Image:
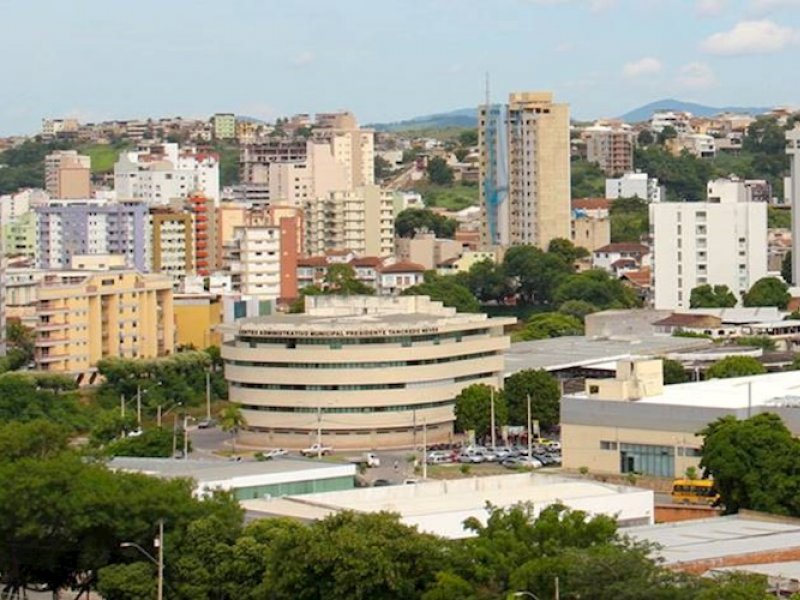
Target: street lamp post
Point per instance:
(158, 562)
(527, 594)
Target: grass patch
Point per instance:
(103, 156)
(450, 197)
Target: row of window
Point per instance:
(405, 340)
(359, 365)
(643, 448)
(357, 387)
(348, 409)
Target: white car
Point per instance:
(275, 452)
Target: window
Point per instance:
(605, 445)
(647, 459)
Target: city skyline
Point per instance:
(603, 57)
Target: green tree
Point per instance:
(735, 366)
(673, 371)
(412, 220)
(132, 581)
(544, 391)
(630, 219)
(588, 180)
(356, 556)
(778, 218)
(487, 281)
(473, 409)
(597, 287)
(645, 138)
(39, 439)
(298, 305)
(535, 274)
(549, 325)
(27, 397)
(786, 268)
(231, 420)
(577, 308)
(383, 167)
(707, 296)
(566, 250)
(668, 133)
(445, 289)
(152, 442)
(768, 291)
(340, 280)
(468, 137)
(439, 172)
(754, 464)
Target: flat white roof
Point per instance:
(704, 539)
(441, 506)
(580, 351)
(771, 389)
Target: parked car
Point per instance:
(207, 424)
(471, 457)
(275, 452)
(381, 483)
(316, 450)
(368, 459)
(522, 462)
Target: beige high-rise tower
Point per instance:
(530, 202)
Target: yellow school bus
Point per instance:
(694, 491)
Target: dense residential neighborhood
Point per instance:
(505, 351)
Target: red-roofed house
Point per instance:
(596, 208)
(400, 276)
(621, 257)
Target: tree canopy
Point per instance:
(673, 371)
(768, 291)
(445, 289)
(708, 296)
(754, 463)
(413, 220)
(439, 172)
(597, 287)
(545, 394)
(735, 366)
(473, 409)
(549, 325)
(630, 219)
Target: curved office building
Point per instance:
(360, 371)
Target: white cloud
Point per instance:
(710, 8)
(696, 76)
(565, 47)
(750, 37)
(644, 66)
(304, 58)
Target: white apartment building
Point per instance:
(738, 190)
(679, 121)
(634, 185)
(160, 173)
(361, 221)
(720, 242)
(254, 257)
(698, 144)
(352, 146)
(793, 150)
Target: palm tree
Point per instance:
(231, 420)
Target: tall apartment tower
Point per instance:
(67, 174)
(719, 242)
(530, 202)
(793, 150)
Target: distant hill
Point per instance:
(643, 113)
(463, 117)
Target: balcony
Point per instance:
(47, 342)
(51, 358)
(52, 326)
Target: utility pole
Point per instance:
(208, 395)
(749, 399)
(491, 391)
(139, 405)
(424, 449)
(319, 432)
(160, 559)
(158, 416)
(557, 594)
(174, 434)
(185, 436)
(414, 428)
(530, 437)
(122, 405)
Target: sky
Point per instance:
(386, 60)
